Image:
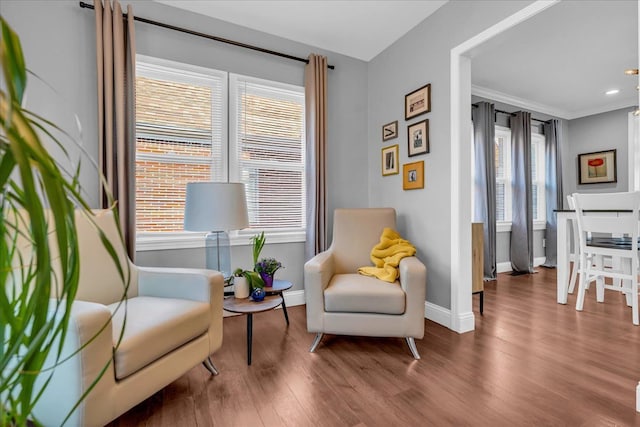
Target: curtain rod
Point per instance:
(513, 114)
(210, 37)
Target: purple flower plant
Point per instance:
(268, 266)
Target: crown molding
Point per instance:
(547, 109)
(519, 102)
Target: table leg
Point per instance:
(284, 309)
(249, 336)
(562, 269)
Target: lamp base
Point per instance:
(218, 252)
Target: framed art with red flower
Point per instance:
(597, 168)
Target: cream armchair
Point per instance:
(340, 301)
(173, 323)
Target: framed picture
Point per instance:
(598, 167)
(390, 160)
(417, 102)
(413, 175)
(390, 131)
(418, 138)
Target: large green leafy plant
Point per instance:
(39, 256)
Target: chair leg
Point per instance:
(574, 276)
(412, 346)
(634, 301)
(316, 341)
(582, 284)
(599, 280)
(210, 366)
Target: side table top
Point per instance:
(247, 305)
(278, 286)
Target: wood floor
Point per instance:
(529, 362)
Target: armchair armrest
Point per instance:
(90, 326)
(183, 283)
(413, 280)
(317, 274)
(187, 283)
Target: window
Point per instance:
(503, 173)
(538, 177)
(503, 178)
(267, 151)
(182, 115)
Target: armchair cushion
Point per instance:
(354, 293)
(154, 327)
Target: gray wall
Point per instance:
(423, 56)
(59, 43)
(599, 132)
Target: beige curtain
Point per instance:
(315, 82)
(116, 58)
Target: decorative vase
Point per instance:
(267, 279)
(240, 287)
(258, 294)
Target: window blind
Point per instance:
(268, 151)
(180, 126)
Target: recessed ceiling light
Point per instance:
(631, 71)
(612, 92)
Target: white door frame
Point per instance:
(462, 318)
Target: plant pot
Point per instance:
(240, 287)
(267, 279)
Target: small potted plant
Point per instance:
(267, 268)
(245, 283)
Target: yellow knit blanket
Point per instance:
(386, 256)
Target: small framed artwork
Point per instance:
(418, 138)
(390, 160)
(417, 102)
(598, 167)
(390, 131)
(413, 175)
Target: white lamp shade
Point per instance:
(215, 206)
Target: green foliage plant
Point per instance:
(39, 253)
(258, 243)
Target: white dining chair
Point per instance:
(574, 254)
(604, 228)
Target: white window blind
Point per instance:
(538, 177)
(267, 151)
(180, 129)
(503, 173)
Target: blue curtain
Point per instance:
(484, 193)
(522, 203)
(553, 188)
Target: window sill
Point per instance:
(186, 240)
(505, 227)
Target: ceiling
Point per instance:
(563, 60)
(560, 62)
(360, 29)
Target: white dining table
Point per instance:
(563, 268)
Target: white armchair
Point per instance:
(173, 323)
(341, 301)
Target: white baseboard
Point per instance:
(638, 398)
(293, 298)
(505, 267)
(435, 313)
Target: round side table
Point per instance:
(279, 286)
(248, 306)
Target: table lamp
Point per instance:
(216, 207)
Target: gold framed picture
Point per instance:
(417, 102)
(413, 175)
(390, 131)
(390, 160)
